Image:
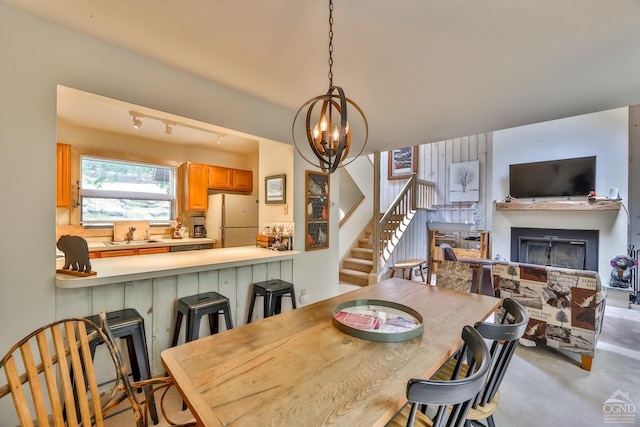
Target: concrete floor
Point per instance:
(545, 387)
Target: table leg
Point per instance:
(422, 271)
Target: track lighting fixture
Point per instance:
(170, 124)
(137, 122)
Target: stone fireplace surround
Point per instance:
(567, 247)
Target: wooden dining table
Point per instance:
(298, 369)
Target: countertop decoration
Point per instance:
(76, 256)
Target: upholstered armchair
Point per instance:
(480, 268)
(565, 306)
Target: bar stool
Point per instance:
(196, 306)
(272, 291)
(128, 324)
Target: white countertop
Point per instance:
(125, 269)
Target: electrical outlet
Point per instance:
(304, 298)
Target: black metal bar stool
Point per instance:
(196, 306)
(128, 324)
(272, 291)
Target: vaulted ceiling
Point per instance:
(422, 70)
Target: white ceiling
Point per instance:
(422, 70)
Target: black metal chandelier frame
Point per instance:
(330, 145)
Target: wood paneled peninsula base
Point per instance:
(152, 284)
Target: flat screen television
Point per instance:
(553, 178)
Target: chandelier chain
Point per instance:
(330, 136)
(330, 43)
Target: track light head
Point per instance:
(168, 129)
(137, 122)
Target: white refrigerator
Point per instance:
(232, 219)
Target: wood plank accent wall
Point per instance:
(433, 165)
(156, 299)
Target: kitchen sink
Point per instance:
(131, 243)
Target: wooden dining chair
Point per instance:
(513, 319)
(448, 400)
(50, 377)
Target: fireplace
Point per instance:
(577, 249)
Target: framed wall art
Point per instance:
(317, 217)
(403, 162)
(275, 189)
(464, 181)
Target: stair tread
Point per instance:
(359, 260)
(363, 251)
(354, 272)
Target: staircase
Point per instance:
(358, 264)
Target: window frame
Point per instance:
(76, 216)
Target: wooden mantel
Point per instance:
(559, 205)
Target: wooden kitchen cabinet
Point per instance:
(242, 180)
(195, 180)
(118, 252)
(220, 178)
(159, 250)
(63, 175)
(128, 252)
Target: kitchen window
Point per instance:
(117, 190)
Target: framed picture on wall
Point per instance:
(464, 181)
(275, 189)
(403, 162)
(317, 217)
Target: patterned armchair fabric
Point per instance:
(566, 307)
(454, 275)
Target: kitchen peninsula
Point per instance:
(153, 283)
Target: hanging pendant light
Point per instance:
(327, 127)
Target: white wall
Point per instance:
(276, 159)
(40, 56)
(604, 135)
(317, 271)
(361, 171)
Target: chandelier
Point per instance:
(327, 127)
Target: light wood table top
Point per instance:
(297, 368)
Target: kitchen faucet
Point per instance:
(129, 236)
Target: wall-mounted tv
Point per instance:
(554, 178)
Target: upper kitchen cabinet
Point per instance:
(220, 178)
(242, 180)
(195, 180)
(63, 175)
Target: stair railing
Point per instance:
(416, 194)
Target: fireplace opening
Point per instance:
(576, 249)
